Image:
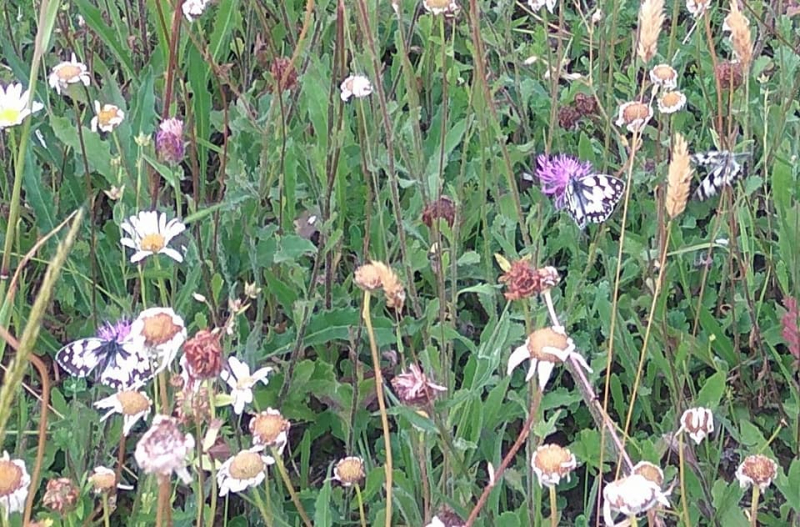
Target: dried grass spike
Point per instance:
(739, 26)
(651, 18)
(679, 177)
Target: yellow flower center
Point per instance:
(9, 115)
(132, 402)
(153, 242)
(437, 4)
(103, 480)
(10, 477)
(671, 99)
(246, 465)
(350, 470)
(159, 329)
(664, 73)
(105, 115)
(244, 383)
(546, 338)
(68, 72)
(650, 472)
(553, 459)
(760, 469)
(636, 111)
(267, 427)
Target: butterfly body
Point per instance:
(723, 168)
(592, 198)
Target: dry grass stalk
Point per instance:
(651, 18)
(739, 26)
(679, 177)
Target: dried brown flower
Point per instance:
(192, 405)
(61, 495)
(446, 518)
(349, 471)
(586, 104)
(284, 75)
(414, 387)
(757, 470)
(443, 208)
(730, 75)
(376, 275)
(203, 354)
(649, 471)
(739, 27)
(679, 177)
(568, 117)
(651, 18)
(522, 280)
(270, 429)
(163, 449)
(551, 463)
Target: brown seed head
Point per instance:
(548, 277)
(103, 480)
(757, 470)
(443, 208)
(159, 329)
(349, 471)
(414, 388)
(522, 280)
(729, 74)
(551, 463)
(204, 354)
(10, 477)
(284, 75)
(568, 117)
(376, 275)
(651, 18)
(269, 428)
(192, 405)
(586, 104)
(132, 402)
(246, 465)
(544, 338)
(679, 177)
(61, 495)
(649, 471)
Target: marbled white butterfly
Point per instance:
(722, 168)
(113, 360)
(592, 198)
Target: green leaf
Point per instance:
(98, 153)
(95, 20)
(712, 390)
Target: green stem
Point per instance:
(365, 313)
(360, 506)
(754, 506)
(553, 507)
(106, 520)
(290, 488)
(261, 507)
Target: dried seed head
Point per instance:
(586, 104)
(246, 465)
(349, 471)
(650, 472)
(651, 18)
(376, 275)
(284, 76)
(204, 354)
(551, 463)
(730, 75)
(61, 495)
(679, 177)
(757, 470)
(414, 387)
(103, 479)
(270, 429)
(541, 340)
(568, 117)
(522, 280)
(698, 423)
(443, 208)
(739, 26)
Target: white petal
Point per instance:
(139, 256)
(261, 374)
(172, 253)
(519, 355)
(545, 369)
(239, 369)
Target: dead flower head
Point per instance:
(378, 275)
(649, 471)
(630, 496)
(349, 471)
(551, 463)
(698, 423)
(524, 281)
(634, 115)
(203, 354)
(270, 429)
(61, 495)
(545, 348)
(14, 483)
(414, 388)
(163, 449)
(757, 470)
(443, 208)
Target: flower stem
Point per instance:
(261, 507)
(365, 313)
(163, 500)
(553, 507)
(681, 469)
(290, 488)
(360, 506)
(106, 521)
(754, 506)
(632, 520)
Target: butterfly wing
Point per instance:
(592, 198)
(127, 367)
(79, 358)
(722, 168)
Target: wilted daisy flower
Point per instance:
(162, 450)
(631, 495)
(756, 470)
(665, 76)
(270, 429)
(170, 146)
(634, 115)
(67, 73)
(203, 356)
(554, 174)
(545, 348)
(349, 471)
(103, 480)
(14, 105)
(649, 471)
(106, 117)
(671, 102)
(246, 469)
(160, 333)
(193, 8)
(551, 463)
(697, 7)
(446, 518)
(241, 382)
(536, 5)
(14, 483)
(356, 86)
(131, 404)
(60, 495)
(441, 7)
(414, 388)
(149, 232)
(698, 423)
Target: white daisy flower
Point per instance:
(14, 483)
(349, 471)
(67, 73)
(194, 9)
(107, 117)
(131, 404)
(537, 5)
(665, 76)
(150, 233)
(104, 480)
(241, 382)
(634, 115)
(551, 463)
(545, 348)
(246, 469)
(698, 423)
(650, 471)
(270, 429)
(356, 86)
(630, 496)
(163, 449)
(671, 102)
(441, 7)
(756, 470)
(697, 7)
(14, 105)
(160, 332)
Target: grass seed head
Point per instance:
(651, 18)
(679, 177)
(739, 26)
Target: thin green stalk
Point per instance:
(553, 507)
(360, 506)
(365, 313)
(754, 506)
(261, 507)
(106, 520)
(681, 473)
(290, 488)
(633, 521)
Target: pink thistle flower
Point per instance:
(791, 329)
(555, 173)
(169, 141)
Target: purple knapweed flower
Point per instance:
(555, 172)
(114, 332)
(169, 141)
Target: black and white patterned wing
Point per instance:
(79, 358)
(127, 367)
(721, 167)
(592, 198)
